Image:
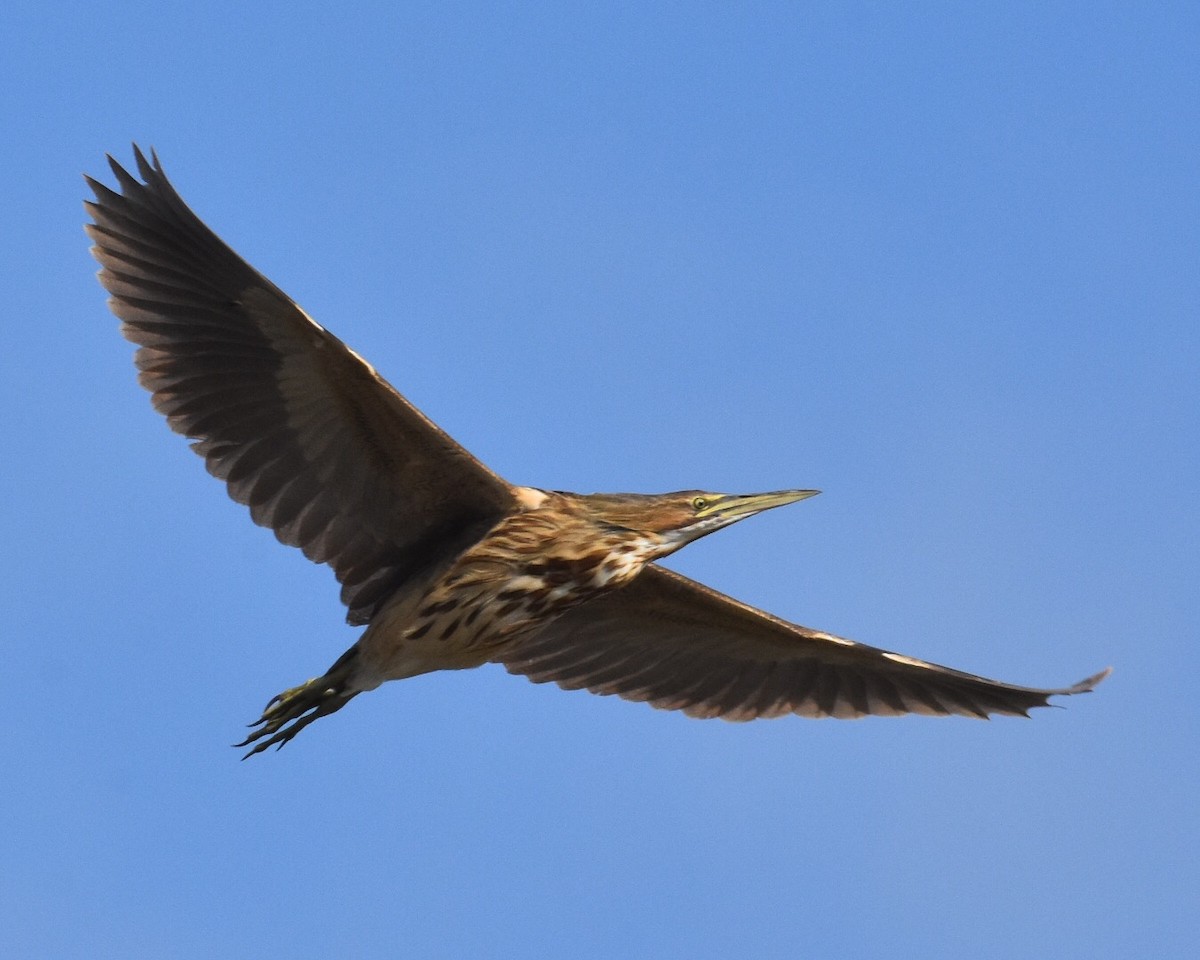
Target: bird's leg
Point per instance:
(288, 713)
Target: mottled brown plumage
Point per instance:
(447, 565)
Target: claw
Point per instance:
(286, 714)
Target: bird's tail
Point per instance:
(291, 711)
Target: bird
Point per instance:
(447, 565)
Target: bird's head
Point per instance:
(679, 518)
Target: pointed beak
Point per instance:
(735, 508)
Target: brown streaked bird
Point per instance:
(446, 564)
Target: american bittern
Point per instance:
(446, 564)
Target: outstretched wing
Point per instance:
(301, 429)
(678, 645)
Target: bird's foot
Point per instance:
(291, 711)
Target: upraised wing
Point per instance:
(301, 429)
(678, 645)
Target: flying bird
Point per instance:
(446, 564)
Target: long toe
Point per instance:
(293, 710)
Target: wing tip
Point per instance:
(149, 170)
(1089, 684)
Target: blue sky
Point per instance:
(938, 260)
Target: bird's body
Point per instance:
(554, 552)
(533, 566)
(449, 566)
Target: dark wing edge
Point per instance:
(678, 645)
(301, 429)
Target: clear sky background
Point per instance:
(939, 260)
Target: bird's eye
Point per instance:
(699, 503)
